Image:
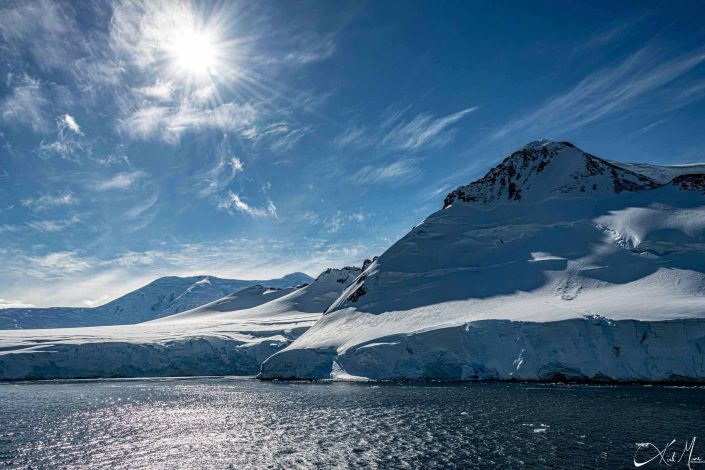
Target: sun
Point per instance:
(194, 53)
(197, 52)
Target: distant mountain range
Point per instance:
(162, 297)
(229, 336)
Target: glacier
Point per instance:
(591, 349)
(556, 264)
(230, 336)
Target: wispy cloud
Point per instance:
(148, 122)
(605, 92)
(58, 263)
(311, 217)
(280, 135)
(27, 104)
(358, 216)
(92, 70)
(136, 258)
(694, 92)
(648, 127)
(45, 226)
(604, 37)
(66, 143)
(435, 191)
(334, 223)
(311, 49)
(227, 166)
(42, 29)
(45, 32)
(353, 135)
(338, 220)
(142, 32)
(161, 90)
(48, 201)
(170, 123)
(399, 133)
(140, 209)
(424, 130)
(10, 228)
(234, 203)
(123, 180)
(399, 172)
(142, 215)
(302, 48)
(53, 225)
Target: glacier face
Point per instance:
(162, 297)
(587, 349)
(230, 336)
(549, 237)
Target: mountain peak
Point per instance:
(342, 275)
(538, 144)
(544, 169)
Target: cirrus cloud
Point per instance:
(234, 203)
(124, 180)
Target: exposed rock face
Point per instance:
(366, 264)
(542, 169)
(690, 182)
(343, 275)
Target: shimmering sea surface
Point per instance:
(241, 423)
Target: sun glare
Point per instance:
(194, 54)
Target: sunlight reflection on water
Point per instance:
(235, 423)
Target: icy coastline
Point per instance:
(231, 336)
(585, 349)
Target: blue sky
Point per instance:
(254, 139)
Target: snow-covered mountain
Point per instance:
(162, 297)
(230, 336)
(557, 263)
(246, 298)
(543, 170)
(264, 302)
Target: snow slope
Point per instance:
(231, 336)
(556, 263)
(659, 173)
(246, 298)
(162, 297)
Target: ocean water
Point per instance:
(240, 423)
